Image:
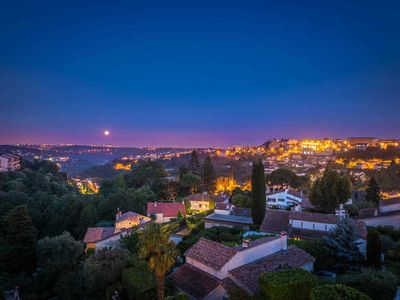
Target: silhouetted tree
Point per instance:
(258, 192)
(209, 175)
(373, 192)
(194, 164)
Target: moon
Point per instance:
(106, 132)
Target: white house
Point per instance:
(285, 198)
(10, 162)
(307, 225)
(108, 237)
(212, 269)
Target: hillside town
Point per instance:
(197, 235)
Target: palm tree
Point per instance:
(160, 252)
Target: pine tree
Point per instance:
(341, 245)
(20, 235)
(330, 190)
(194, 164)
(374, 248)
(258, 192)
(209, 175)
(373, 194)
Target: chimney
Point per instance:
(119, 214)
(155, 204)
(283, 235)
(246, 243)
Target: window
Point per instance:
(313, 226)
(281, 200)
(326, 227)
(301, 224)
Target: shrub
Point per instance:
(336, 292)
(290, 284)
(379, 285)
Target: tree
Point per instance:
(341, 245)
(330, 190)
(190, 183)
(59, 251)
(150, 173)
(194, 164)
(336, 292)
(242, 200)
(104, 269)
(20, 236)
(209, 175)
(373, 192)
(288, 284)
(155, 245)
(374, 248)
(285, 177)
(379, 285)
(258, 192)
(137, 279)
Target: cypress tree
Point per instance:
(194, 164)
(209, 175)
(374, 248)
(373, 194)
(258, 192)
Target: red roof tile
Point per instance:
(210, 253)
(249, 274)
(194, 281)
(95, 234)
(314, 217)
(168, 209)
(275, 221)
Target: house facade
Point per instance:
(204, 201)
(165, 211)
(212, 269)
(286, 198)
(10, 162)
(108, 237)
(307, 225)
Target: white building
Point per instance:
(286, 198)
(10, 162)
(212, 269)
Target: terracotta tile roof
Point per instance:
(314, 217)
(206, 197)
(210, 253)
(168, 209)
(263, 240)
(130, 215)
(194, 281)
(249, 274)
(305, 203)
(275, 221)
(390, 201)
(95, 234)
(367, 212)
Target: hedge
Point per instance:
(336, 292)
(287, 285)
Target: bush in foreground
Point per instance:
(292, 284)
(336, 292)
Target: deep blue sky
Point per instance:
(198, 72)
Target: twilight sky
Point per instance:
(198, 73)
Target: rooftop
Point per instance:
(210, 253)
(95, 234)
(168, 209)
(229, 218)
(248, 274)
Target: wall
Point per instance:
(311, 225)
(285, 196)
(199, 205)
(393, 220)
(390, 208)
